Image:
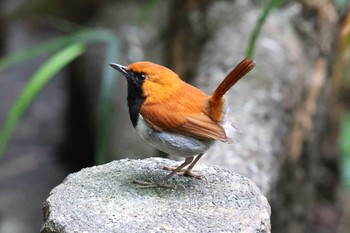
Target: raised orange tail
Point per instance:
(217, 100)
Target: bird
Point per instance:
(174, 116)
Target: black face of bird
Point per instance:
(135, 94)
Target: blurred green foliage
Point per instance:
(344, 145)
(342, 5)
(68, 48)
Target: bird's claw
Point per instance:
(186, 172)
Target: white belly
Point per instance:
(172, 143)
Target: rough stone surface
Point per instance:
(105, 199)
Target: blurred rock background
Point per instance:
(287, 111)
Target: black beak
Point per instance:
(121, 69)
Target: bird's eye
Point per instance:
(142, 76)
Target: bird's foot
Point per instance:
(185, 171)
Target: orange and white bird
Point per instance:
(174, 116)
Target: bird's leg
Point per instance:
(178, 169)
(188, 171)
(161, 183)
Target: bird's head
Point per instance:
(154, 81)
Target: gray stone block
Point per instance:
(105, 199)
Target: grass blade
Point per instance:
(256, 32)
(54, 45)
(36, 84)
(48, 47)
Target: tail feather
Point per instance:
(236, 74)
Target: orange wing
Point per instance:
(204, 127)
(185, 113)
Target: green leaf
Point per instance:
(54, 45)
(37, 82)
(42, 49)
(256, 32)
(344, 144)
